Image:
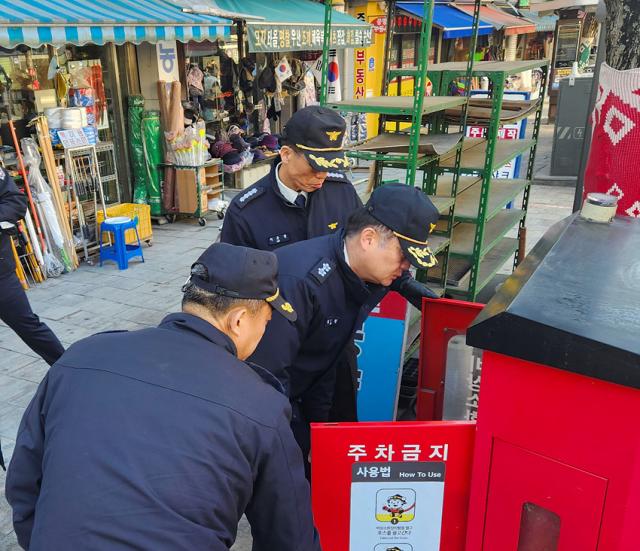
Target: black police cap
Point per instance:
(240, 272)
(318, 132)
(411, 215)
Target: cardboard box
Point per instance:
(187, 187)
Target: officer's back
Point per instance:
(160, 439)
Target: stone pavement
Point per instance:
(95, 299)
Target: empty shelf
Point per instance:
(396, 105)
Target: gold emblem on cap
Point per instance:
(274, 296)
(326, 163)
(333, 135)
(287, 307)
(332, 226)
(421, 253)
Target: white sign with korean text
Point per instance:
(167, 54)
(396, 506)
(73, 138)
(505, 132)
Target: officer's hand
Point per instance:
(412, 290)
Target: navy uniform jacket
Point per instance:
(158, 439)
(331, 303)
(13, 206)
(261, 218)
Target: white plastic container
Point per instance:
(54, 116)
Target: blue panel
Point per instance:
(44, 35)
(454, 22)
(96, 35)
(379, 364)
(119, 35)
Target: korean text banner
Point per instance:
(267, 37)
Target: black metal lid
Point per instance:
(574, 303)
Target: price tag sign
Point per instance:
(73, 138)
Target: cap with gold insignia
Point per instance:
(411, 215)
(317, 132)
(240, 272)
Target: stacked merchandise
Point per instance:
(236, 151)
(189, 147)
(146, 154)
(43, 243)
(85, 105)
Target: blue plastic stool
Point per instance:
(120, 252)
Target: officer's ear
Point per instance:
(286, 154)
(235, 317)
(369, 238)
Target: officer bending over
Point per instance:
(335, 281)
(162, 438)
(305, 195)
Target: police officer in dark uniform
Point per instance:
(162, 438)
(305, 195)
(15, 310)
(334, 282)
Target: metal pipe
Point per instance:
(601, 15)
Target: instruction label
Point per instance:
(396, 506)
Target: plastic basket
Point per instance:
(143, 212)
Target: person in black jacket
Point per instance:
(15, 310)
(162, 438)
(305, 195)
(334, 282)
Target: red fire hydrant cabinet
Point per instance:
(557, 458)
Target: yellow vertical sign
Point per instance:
(369, 62)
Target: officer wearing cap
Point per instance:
(162, 438)
(334, 282)
(305, 195)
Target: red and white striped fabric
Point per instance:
(614, 159)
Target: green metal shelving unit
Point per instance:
(480, 246)
(424, 114)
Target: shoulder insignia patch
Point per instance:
(322, 270)
(248, 196)
(336, 176)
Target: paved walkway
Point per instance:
(95, 299)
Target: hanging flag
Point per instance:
(334, 92)
(283, 69)
(316, 68)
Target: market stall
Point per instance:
(247, 89)
(62, 126)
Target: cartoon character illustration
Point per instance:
(393, 547)
(396, 506)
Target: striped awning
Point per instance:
(501, 21)
(543, 23)
(57, 22)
